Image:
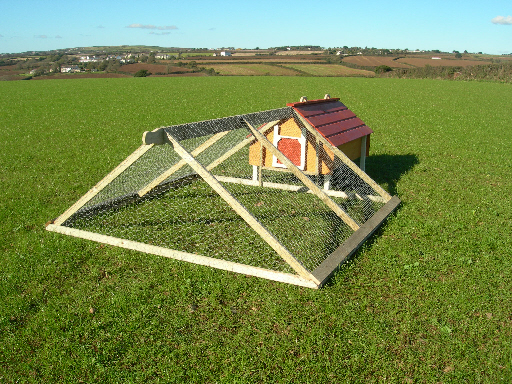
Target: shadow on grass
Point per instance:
(368, 244)
(388, 169)
(384, 169)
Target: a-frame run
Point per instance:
(190, 193)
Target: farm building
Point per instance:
(332, 120)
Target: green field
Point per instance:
(252, 70)
(427, 299)
(330, 70)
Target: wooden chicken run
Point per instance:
(273, 194)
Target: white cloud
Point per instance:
(58, 37)
(502, 20)
(41, 37)
(160, 33)
(151, 26)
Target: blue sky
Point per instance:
(33, 25)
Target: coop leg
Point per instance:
(362, 160)
(255, 172)
(327, 182)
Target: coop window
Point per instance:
(294, 148)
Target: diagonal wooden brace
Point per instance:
(239, 146)
(103, 183)
(302, 177)
(180, 164)
(241, 210)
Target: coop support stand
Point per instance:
(241, 210)
(362, 159)
(302, 177)
(327, 181)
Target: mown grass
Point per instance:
(426, 299)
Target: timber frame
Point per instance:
(302, 276)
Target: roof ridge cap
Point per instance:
(319, 101)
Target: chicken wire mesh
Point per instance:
(160, 200)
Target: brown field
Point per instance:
(153, 68)
(330, 70)
(9, 72)
(446, 60)
(421, 62)
(286, 53)
(252, 70)
(374, 61)
(258, 59)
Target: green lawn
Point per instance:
(427, 299)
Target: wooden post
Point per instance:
(327, 181)
(260, 168)
(362, 159)
(103, 183)
(302, 177)
(241, 210)
(255, 171)
(318, 161)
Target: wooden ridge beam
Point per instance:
(238, 147)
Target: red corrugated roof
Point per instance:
(332, 119)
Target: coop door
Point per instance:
(294, 148)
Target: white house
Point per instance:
(225, 53)
(88, 59)
(70, 69)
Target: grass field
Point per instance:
(330, 70)
(427, 299)
(413, 61)
(421, 62)
(252, 70)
